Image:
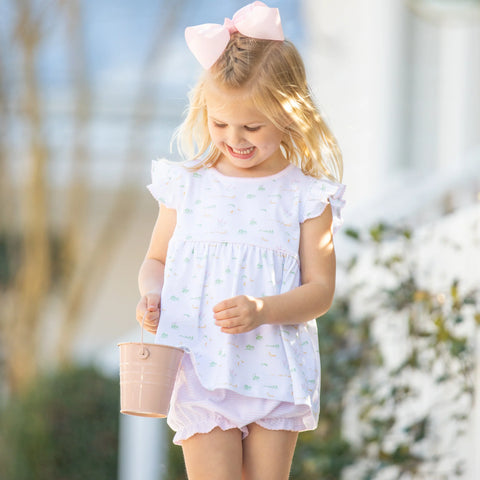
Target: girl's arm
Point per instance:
(311, 300)
(150, 277)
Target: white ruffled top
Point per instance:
(234, 236)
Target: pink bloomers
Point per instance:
(195, 409)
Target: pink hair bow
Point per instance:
(256, 20)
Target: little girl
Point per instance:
(241, 259)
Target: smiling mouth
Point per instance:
(243, 153)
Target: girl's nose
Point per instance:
(235, 137)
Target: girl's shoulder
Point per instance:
(163, 166)
(172, 179)
(169, 181)
(317, 187)
(317, 193)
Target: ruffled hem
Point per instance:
(320, 194)
(206, 426)
(288, 424)
(166, 187)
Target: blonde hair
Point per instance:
(273, 73)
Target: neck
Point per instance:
(264, 169)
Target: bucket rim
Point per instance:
(152, 345)
(141, 413)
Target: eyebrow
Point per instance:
(256, 123)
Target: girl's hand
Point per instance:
(240, 314)
(149, 303)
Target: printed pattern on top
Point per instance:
(235, 236)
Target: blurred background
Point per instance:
(90, 93)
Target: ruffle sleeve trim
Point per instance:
(167, 182)
(322, 192)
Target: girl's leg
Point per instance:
(216, 455)
(268, 454)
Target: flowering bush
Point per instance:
(397, 365)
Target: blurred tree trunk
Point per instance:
(5, 186)
(6, 215)
(33, 278)
(73, 248)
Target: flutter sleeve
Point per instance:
(318, 196)
(168, 182)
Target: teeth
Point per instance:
(244, 151)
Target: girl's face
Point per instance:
(248, 141)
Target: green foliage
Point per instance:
(11, 253)
(346, 348)
(64, 427)
(325, 452)
(9, 257)
(438, 332)
(176, 465)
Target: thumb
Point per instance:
(153, 299)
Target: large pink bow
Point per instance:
(256, 20)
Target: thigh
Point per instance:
(216, 455)
(268, 454)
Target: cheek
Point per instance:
(214, 136)
(271, 142)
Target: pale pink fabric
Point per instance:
(197, 410)
(256, 20)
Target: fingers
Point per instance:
(150, 322)
(227, 316)
(228, 325)
(234, 330)
(152, 301)
(225, 305)
(148, 311)
(232, 312)
(239, 314)
(231, 316)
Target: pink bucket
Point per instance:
(147, 376)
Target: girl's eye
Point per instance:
(220, 125)
(252, 129)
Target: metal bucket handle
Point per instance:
(143, 352)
